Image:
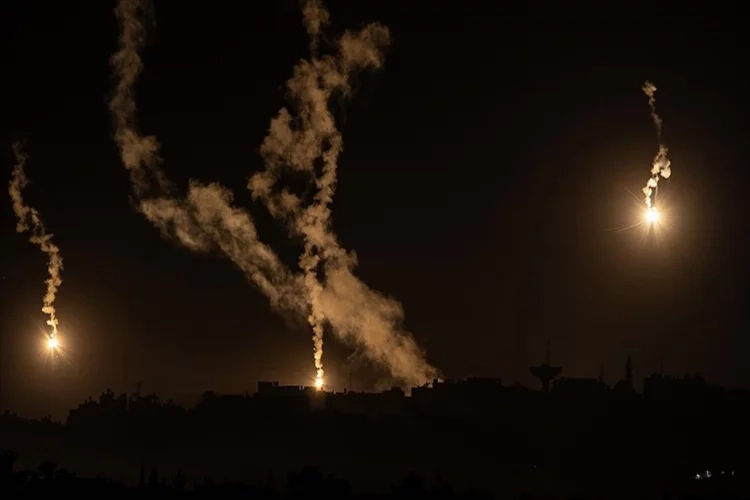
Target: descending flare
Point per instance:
(661, 166)
(29, 220)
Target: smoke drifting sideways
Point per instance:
(206, 220)
(661, 166)
(29, 220)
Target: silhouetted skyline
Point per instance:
(486, 169)
(680, 435)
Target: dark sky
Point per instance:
(486, 169)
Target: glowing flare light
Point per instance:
(652, 215)
(53, 343)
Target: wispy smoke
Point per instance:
(29, 220)
(661, 166)
(301, 143)
(140, 154)
(206, 220)
(650, 90)
(316, 18)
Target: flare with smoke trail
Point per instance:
(29, 220)
(355, 312)
(661, 166)
(206, 220)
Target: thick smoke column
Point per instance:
(661, 165)
(303, 143)
(29, 220)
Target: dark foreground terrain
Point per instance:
(680, 438)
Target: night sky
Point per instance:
(487, 168)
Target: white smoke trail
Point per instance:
(28, 219)
(661, 166)
(355, 312)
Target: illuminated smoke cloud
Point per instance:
(661, 166)
(29, 220)
(302, 142)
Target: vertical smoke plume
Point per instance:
(29, 220)
(303, 143)
(661, 166)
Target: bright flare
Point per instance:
(318, 383)
(53, 343)
(652, 215)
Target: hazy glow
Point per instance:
(652, 215)
(319, 383)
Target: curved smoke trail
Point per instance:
(29, 220)
(661, 166)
